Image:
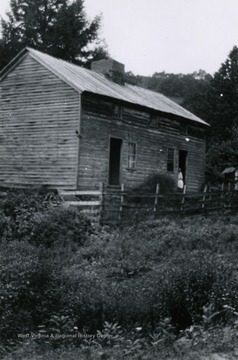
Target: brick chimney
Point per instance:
(112, 69)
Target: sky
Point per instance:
(175, 36)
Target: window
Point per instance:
(117, 111)
(183, 128)
(154, 121)
(170, 160)
(131, 155)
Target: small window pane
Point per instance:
(131, 155)
(117, 111)
(154, 121)
(170, 160)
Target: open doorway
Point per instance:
(115, 161)
(183, 163)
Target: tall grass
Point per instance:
(159, 281)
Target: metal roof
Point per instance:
(82, 80)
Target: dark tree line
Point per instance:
(57, 27)
(222, 112)
(188, 90)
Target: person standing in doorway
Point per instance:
(180, 179)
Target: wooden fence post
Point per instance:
(229, 186)
(101, 197)
(222, 190)
(204, 197)
(122, 201)
(210, 196)
(183, 198)
(156, 199)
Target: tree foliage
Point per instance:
(222, 112)
(58, 27)
(180, 85)
(222, 154)
(188, 90)
(223, 98)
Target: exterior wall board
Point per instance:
(38, 117)
(152, 145)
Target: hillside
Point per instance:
(188, 90)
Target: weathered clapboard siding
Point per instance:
(96, 106)
(99, 124)
(38, 117)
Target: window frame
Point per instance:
(131, 155)
(117, 114)
(170, 160)
(154, 121)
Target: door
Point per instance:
(183, 163)
(115, 161)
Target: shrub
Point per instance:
(22, 279)
(194, 283)
(5, 226)
(28, 215)
(30, 287)
(30, 269)
(165, 181)
(33, 200)
(20, 206)
(61, 226)
(143, 204)
(80, 294)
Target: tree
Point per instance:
(188, 90)
(223, 98)
(133, 79)
(58, 27)
(222, 154)
(221, 107)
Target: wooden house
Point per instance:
(64, 126)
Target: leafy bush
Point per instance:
(166, 184)
(19, 207)
(146, 273)
(141, 196)
(24, 284)
(59, 225)
(5, 228)
(33, 200)
(31, 289)
(29, 215)
(30, 269)
(198, 281)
